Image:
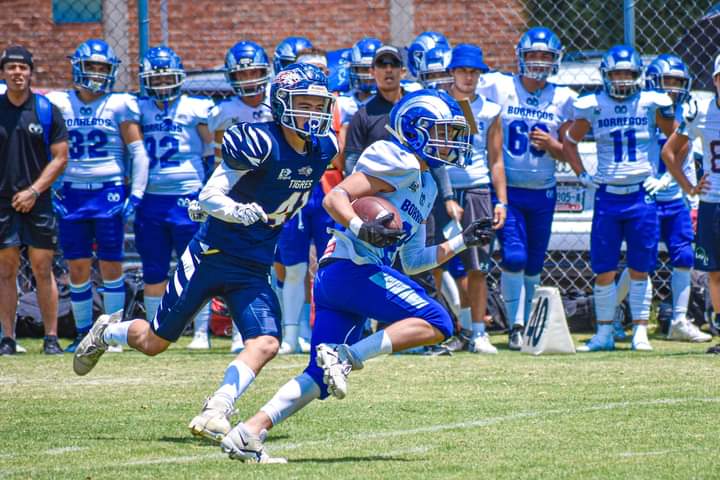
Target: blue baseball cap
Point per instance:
(467, 55)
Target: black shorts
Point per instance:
(476, 204)
(707, 242)
(37, 228)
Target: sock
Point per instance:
(114, 294)
(451, 293)
(238, 378)
(640, 298)
(640, 333)
(623, 285)
(291, 397)
(605, 303)
(200, 324)
(151, 306)
(680, 283)
(478, 329)
(466, 318)
(293, 297)
(605, 330)
(305, 330)
(117, 333)
(372, 346)
(236, 336)
(81, 303)
(530, 282)
(290, 335)
(513, 291)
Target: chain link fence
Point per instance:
(202, 31)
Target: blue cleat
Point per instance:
(598, 344)
(73, 346)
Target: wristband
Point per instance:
(34, 192)
(457, 243)
(501, 205)
(354, 225)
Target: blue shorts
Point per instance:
(309, 225)
(526, 233)
(631, 217)
(707, 244)
(676, 231)
(244, 286)
(93, 217)
(161, 225)
(347, 294)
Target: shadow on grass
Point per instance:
(374, 458)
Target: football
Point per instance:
(370, 208)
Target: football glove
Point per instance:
(479, 232)
(377, 234)
(587, 180)
(196, 212)
(249, 213)
(654, 185)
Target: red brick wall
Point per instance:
(201, 31)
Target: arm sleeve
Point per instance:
(58, 131)
(415, 256)
(355, 139)
(245, 147)
(214, 197)
(442, 179)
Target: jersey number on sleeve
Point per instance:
(286, 209)
(171, 146)
(93, 143)
(519, 140)
(617, 136)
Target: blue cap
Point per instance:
(467, 55)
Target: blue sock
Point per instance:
(82, 307)
(530, 282)
(512, 289)
(114, 294)
(151, 307)
(478, 329)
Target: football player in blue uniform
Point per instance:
(355, 279)
(176, 139)
(535, 115)
(433, 69)
(625, 120)
(422, 44)
(286, 52)
(95, 203)
(701, 119)
(267, 175)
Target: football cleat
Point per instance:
(516, 338)
(641, 345)
(598, 344)
(240, 444)
(93, 345)
(73, 346)
(481, 344)
(714, 350)
(286, 349)
(200, 341)
(686, 331)
(336, 361)
(213, 422)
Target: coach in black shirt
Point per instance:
(30, 161)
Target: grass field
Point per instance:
(604, 415)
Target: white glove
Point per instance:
(653, 185)
(249, 213)
(196, 212)
(586, 180)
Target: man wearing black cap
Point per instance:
(33, 153)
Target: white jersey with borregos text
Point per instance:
(522, 111)
(233, 110)
(701, 119)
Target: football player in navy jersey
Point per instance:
(267, 175)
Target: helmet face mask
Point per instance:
(539, 53)
(162, 74)
(94, 66)
(433, 71)
(362, 55)
(286, 52)
(422, 44)
(247, 69)
(669, 74)
(622, 72)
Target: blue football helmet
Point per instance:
(361, 59)
(539, 39)
(287, 50)
(622, 58)
(665, 67)
(431, 124)
(433, 71)
(420, 46)
(87, 69)
(300, 79)
(162, 73)
(246, 56)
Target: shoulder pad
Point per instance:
(245, 147)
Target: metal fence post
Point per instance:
(143, 28)
(629, 22)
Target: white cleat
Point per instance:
(304, 345)
(686, 331)
(213, 422)
(114, 349)
(240, 444)
(93, 345)
(286, 349)
(481, 344)
(336, 361)
(641, 345)
(19, 348)
(200, 341)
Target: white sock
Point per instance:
(114, 294)
(291, 397)
(151, 306)
(237, 379)
(305, 330)
(623, 285)
(372, 346)
(478, 329)
(530, 283)
(200, 323)
(680, 283)
(605, 302)
(293, 297)
(236, 336)
(640, 333)
(512, 288)
(466, 318)
(640, 299)
(450, 292)
(117, 333)
(290, 335)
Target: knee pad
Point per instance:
(514, 260)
